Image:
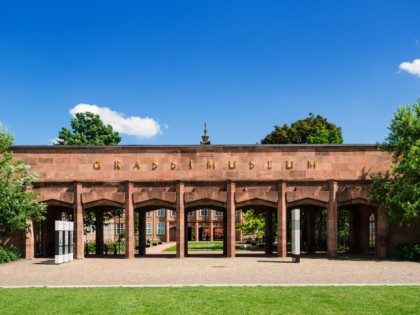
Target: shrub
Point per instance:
(9, 254)
(408, 251)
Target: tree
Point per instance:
(398, 190)
(311, 130)
(88, 129)
(253, 223)
(17, 200)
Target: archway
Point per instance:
(44, 235)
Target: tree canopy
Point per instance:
(253, 223)
(17, 200)
(311, 130)
(88, 129)
(398, 190)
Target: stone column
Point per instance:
(78, 222)
(241, 220)
(180, 221)
(268, 232)
(99, 227)
(332, 220)
(168, 216)
(129, 221)
(230, 218)
(197, 229)
(225, 239)
(29, 240)
(310, 228)
(142, 233)
(352, 231)
(381, 233)
(281, 221)
(211, 231)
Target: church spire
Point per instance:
(205, 138)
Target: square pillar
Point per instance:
(99, 227)
(310, 228)
(197, 229)
(381, 233)
(180, 221)
(129, 221)
(168, 215)
(78, 222)
(281, 221)
(230, 220)
(332, 241)
(268, 232)
(142, 233)
(29, 240)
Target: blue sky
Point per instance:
(241, 66)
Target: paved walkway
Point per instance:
(242, 270)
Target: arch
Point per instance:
(256, 203)
(205, 203)
(307, 202)
(103, 202)
(154, 204)
(355, 201)
(58, 203)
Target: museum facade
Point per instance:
(223, 178)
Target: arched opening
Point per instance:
(205, 226)
(44, 231)
(313, 226)
(356, 229)
(155, 230)
(104, 231)
(258, 228)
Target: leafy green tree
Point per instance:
(311, 130)
(254, 223)
(398, 190)
(88, 129)
(17, 200)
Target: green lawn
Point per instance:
(200, 246)
(213, 300)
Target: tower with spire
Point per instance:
(205, 138)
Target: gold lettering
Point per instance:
(117, 165)
(97, 165)
(174, 164)
(269, 164)
(137, 165)
(211, 164)
(232, 164)
(251, 164)
(289, 165)
(311, 164)
(155, 165)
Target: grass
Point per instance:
(213, 300)
(199, 246)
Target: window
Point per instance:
(218, 213)
(148, 214)
(173, 213)
(203, 212)
(161, 213)
(190, 213)
(148, 228)
(90, 229)
(120, 228)
(160, 228)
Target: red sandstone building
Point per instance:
(177, 183)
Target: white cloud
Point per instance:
(411, 67)
(133, 126)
